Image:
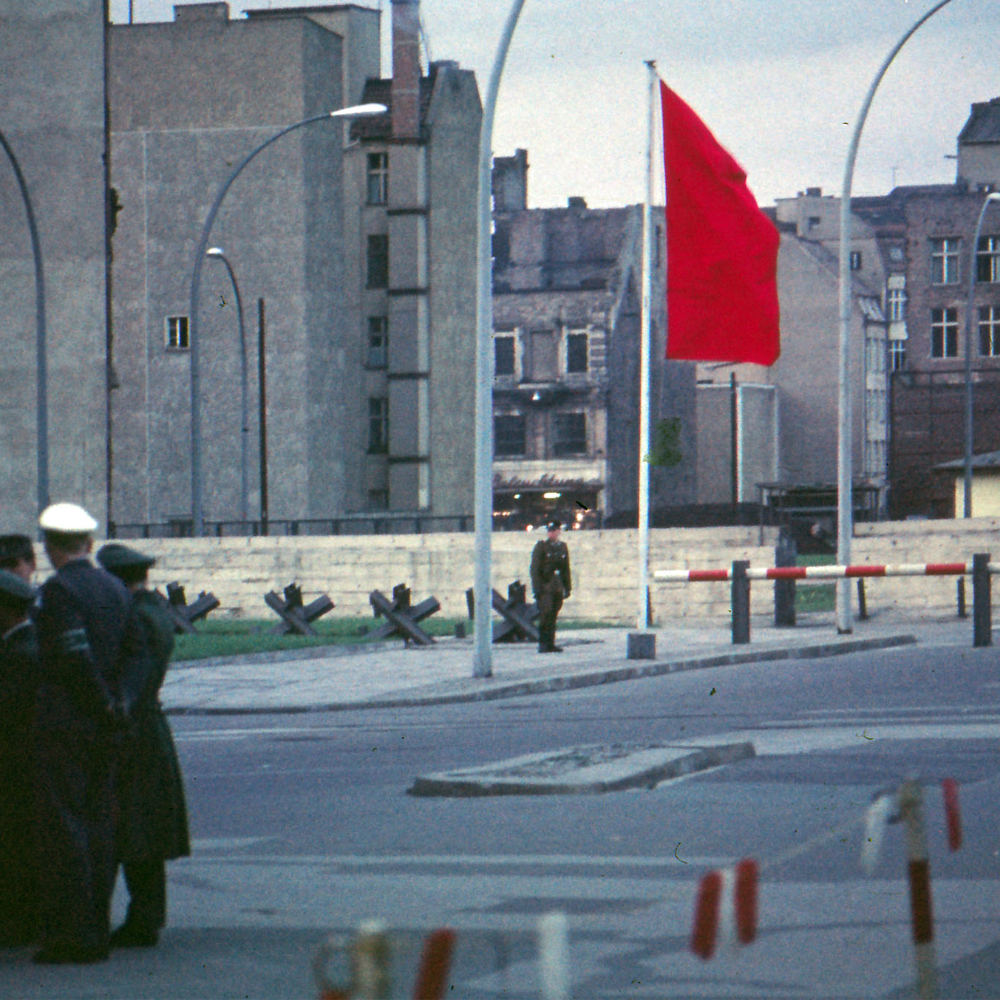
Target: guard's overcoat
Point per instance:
(152, 810)
(551, 581)
(18, 683)
(81, 623)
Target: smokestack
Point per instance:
(405, 69)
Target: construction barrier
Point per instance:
(741, 573)
(726, 902)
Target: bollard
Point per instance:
(862, 603)
(960, 595)
(785, 554)
(741, 603)
(982, 626)
(432, 976)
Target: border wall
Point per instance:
(240, 570)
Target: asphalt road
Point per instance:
(302, 826)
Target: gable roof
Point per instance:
(983, 124)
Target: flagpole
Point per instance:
(642, 617)
(845, 436)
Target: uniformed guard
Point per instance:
(152, 824)
(552, 584)
(18, 682)
(81, 622)
(17, 554)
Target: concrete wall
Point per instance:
(52, 95)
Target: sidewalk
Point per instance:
(390, 675)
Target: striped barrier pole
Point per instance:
(726, 908)
(432, 977)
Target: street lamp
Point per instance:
(197, 513)
(217, 253)
(41, 349)
(967, 476)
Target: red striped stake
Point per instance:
(706, 915)
(745, 900)
(952, 813)
(432, 977)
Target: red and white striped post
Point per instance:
(921, 908)
(726, 901)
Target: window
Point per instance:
(897, 355)
(378, 499)
(378, 424)
(509, 435)
(378, 178)
(178, 338)
(896, 304)
(571, 434)
(988, 259)
(855, 260)
(944, 261)
(378, 261)
(944, 333)
(576, 352)
(378, 342)
(503, 355)
(989, 331)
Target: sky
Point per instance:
(779, 82)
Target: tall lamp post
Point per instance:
(845, 437)
(41, 348)
(197, 512)
(218, 254)
(967, 473)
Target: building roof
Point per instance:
(379, 127)
(985, 460)
(983, 124)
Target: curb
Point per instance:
(502, 778)
(564, 682)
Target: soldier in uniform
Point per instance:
(552, 584)
(81, 622)
(18, 681)
(17, 554)
(152, 812)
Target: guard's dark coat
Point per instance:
(153, 814)
(551, 582)
(18, 682)
(81, 624)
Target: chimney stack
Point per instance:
(405, 69)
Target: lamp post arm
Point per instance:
(41, 347)
(845, 437)
(967, 466)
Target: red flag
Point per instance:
(722, 251)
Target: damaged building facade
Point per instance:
(566, 316)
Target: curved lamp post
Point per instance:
(967, 473)
(217, 253)
(197, 513)
(483, 498)
(41, 350)
(845, 497)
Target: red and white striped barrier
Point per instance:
(819, 572)
(727, 901)
(432, 976)
(952, 813)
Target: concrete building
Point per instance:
(54, 124)
(411, 187)
(566, 314)
(190, 98)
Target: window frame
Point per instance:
(377, 261)
(563, 446)
(497, 338)
(576, 337)
(988, 260)
(378, 425)
(182, 340)
(378, 326)
(522, 421)
(946, 260)
(377, 179)
(988, 321)
(944, 333)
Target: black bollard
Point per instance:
(982, 612)
(862, 603)
(960, 593)
(785, 554)
(741, 603)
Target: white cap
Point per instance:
(67, 518)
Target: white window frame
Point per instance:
(988, 326)
(177, 333)
(945, 269)
(377, 179)
(948, 323)
(512, 336)
(988, 254)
